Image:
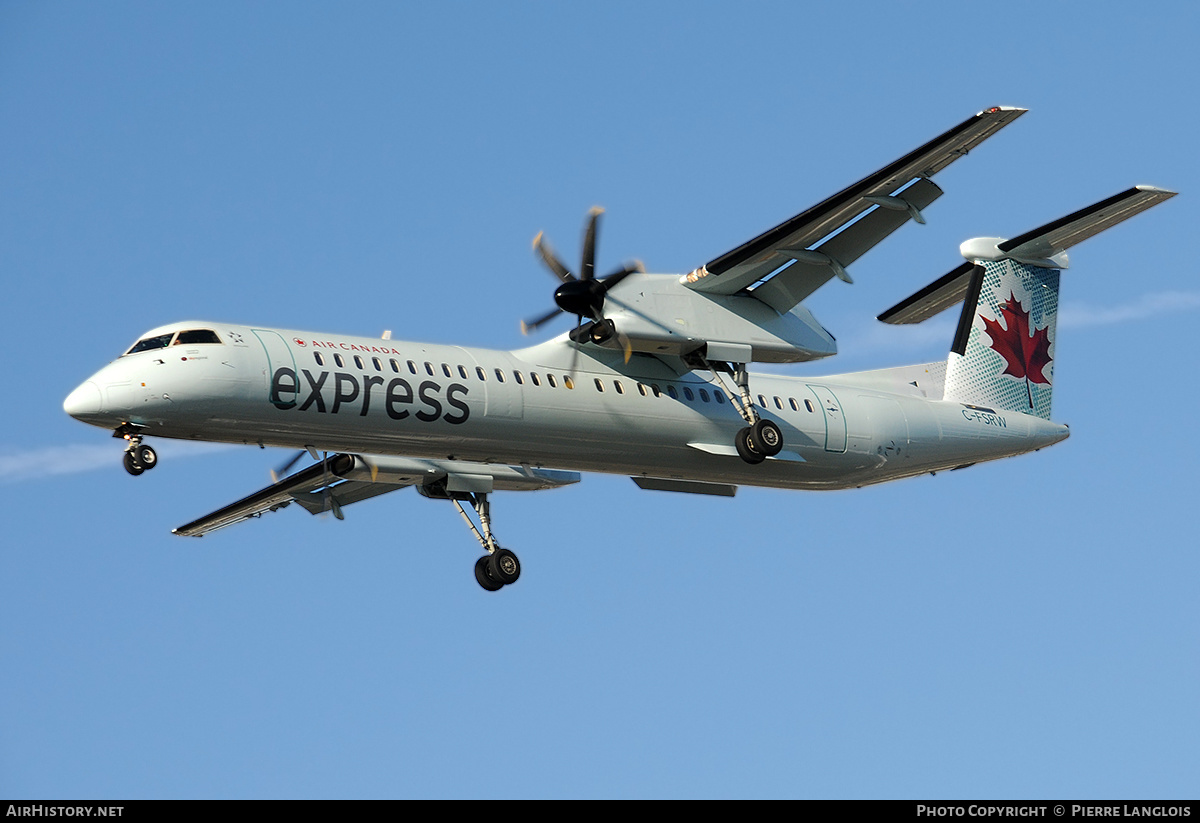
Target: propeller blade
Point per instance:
(543, 249)
(620, 274)
(528, 326)
(587, 269)
(575, 350)
(626, 345)
(276, 474)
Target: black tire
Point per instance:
(766, 438)
(147, 457)
(131, 464)
(504, 566)
(484, 577)
(745, 448)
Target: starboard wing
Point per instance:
(890, 197)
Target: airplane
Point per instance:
(652, 382)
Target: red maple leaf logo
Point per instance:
(1025, 354)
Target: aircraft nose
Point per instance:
(84, 401)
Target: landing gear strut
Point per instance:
(761, 438)
(138, 457)
(499, 567)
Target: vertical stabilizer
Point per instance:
(1003, 356)
(1003, 353)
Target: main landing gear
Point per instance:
(138, 457)
(760, 438)
(499, 567)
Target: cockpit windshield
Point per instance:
(146, 344)
(188, 337)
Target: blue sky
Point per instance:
(1026, 628)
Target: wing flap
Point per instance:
(792, 284)
(757, 258)
(686, 486)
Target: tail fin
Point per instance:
(1003, 352)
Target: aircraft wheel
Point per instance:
(504, 566)
(745, 447)
(766, 438)
(131, 464)
(146, 456)
(484, 577)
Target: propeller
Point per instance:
(582, 296)
(279, 473)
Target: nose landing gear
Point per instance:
(138, 457)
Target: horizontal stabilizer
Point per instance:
(1053, 238)
(935, 298)
(1042, 247)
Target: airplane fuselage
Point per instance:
(286, 388)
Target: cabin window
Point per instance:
(395, 365)
(719, 395)
(533, 378)
(688, 393)
(518, 377)
(655, 390)
(808, 405)
(778, 404)
(550, 379)
(337, 358)
(194, 336)
(429, 368)
(568, 382)
(377, 363)
(599, 386)
(762, 402)
(792, 403)
(617, 385)
(358, 361)
(671, 391)
(499, 376)
(462, 372)
(158, 342)
(481, 374)
(446, 370)
(704, 395)
(641, 390)
(320, 360)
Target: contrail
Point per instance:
(1080, 315)
(53, 461)
(868, 339)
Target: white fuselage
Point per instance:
(296, 389)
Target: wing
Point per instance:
(890, 197)
(342, 479)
